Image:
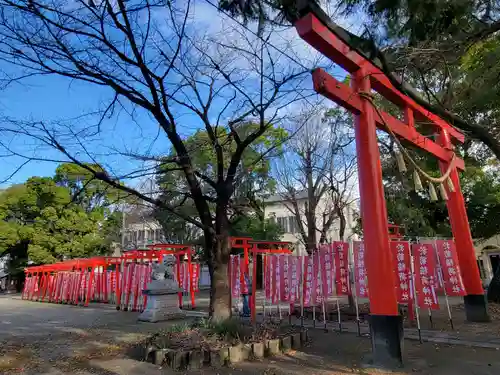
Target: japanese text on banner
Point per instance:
(425, 276)
(448, 260)
(195, 275)
(341, 268)
(293, 277)
(308, 280)
(235, 276)
(360, 277)
(326, 271)
(267, 277)
(316, 291)
(277, 278)
(244, 276)
(284, 287)
(401, 261)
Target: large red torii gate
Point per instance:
(317, 29)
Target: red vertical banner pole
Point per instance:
(386, 325)
(40, 286)
(254, 286)
(79, 286)
(105, 274)
(231, 286)
(89, 286)
(191, 280)
(179, 281)
(136, 285)
(45, 285)
(118, 288)
(246, 249)
(475, 303)
(130, 278)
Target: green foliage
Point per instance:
(178, 328)
(253, 176)
(416, 20)
(257, 228)
(228, 329)
(40, 221)
(85, 190)
(421, 217)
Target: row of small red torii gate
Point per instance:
(121, 280)
(114, 280)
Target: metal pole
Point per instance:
(356, 301)
(441, 280)
(264, 280)
(301, 292)
(278, 281)
(413, 276)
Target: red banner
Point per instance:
(293, 277)
(195, 276)
(277, 277)
(360, 277)
(425, 276)
(243, 276)
(235, 276)
(284, 288)
(308, 280)
(274, 281)
(316, 287)
(448, 259)
(341, 268)
(326, 261)
(401, 260)
(267, 277)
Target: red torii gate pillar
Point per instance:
(386, 324)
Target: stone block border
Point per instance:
(195, 359)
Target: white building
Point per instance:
(4, 274)
(488, 257)
(276, 206)
(142, 229)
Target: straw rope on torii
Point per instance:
(400, 156)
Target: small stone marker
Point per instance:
(258, 349)
(273, 347)
(286, 343)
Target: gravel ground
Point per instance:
(42, 338)
(48, 339)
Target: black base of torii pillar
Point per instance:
(387, 340)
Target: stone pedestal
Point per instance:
(161, 306)
(162, 291)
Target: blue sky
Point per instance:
(52, 98)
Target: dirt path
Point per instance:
(45, 339)
(40, 338)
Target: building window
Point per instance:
(293, 225)
(159, 235)
(151, 235)
(140, 236)
(283, 223)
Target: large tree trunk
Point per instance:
(311, 204)
(220, 307)
(218, 249)
(342, 224)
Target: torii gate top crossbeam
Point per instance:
(318, 35)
